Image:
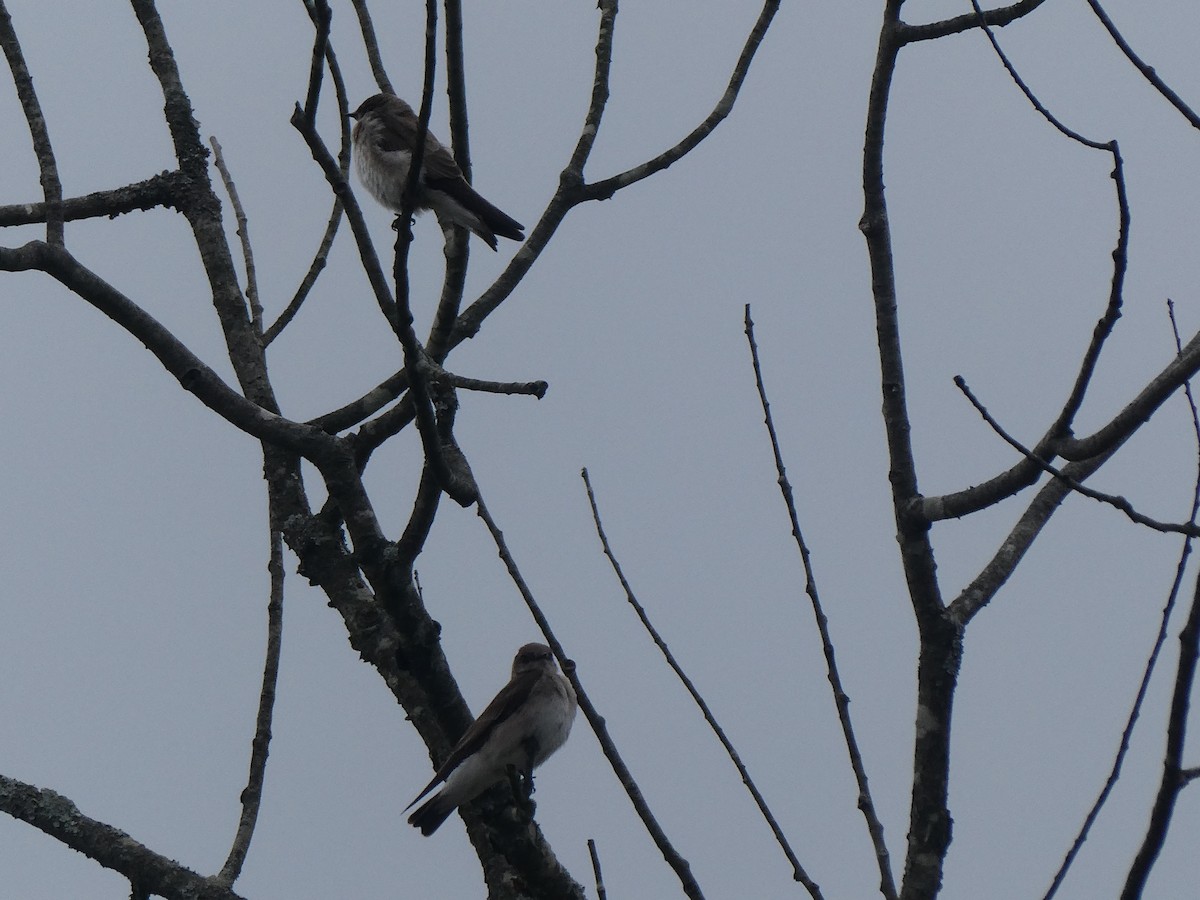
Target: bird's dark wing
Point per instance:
(400, 133)
(503, 705)
(494, 218)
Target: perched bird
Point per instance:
(527, 721)
(385, 133)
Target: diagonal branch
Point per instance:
(680, 865)
(798, 872)
(1147, 70)
(1172, 596)
(149, 872)
(841, 699)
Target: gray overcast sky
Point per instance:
(134, 545)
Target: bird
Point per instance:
(385, 133)
(526, 722)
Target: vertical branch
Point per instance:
(841, 700)
(47, 167)
(1173, 779)
(940, 638)
(252, 795)
(243, 231)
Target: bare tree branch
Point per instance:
(1147, 70)
(841, 699)
(161, 190)
(680, 865)
(1172, 596)
(47, 167)
(243, 231)
(1186, 528)
(252, 795)
(1005, 15)
(149, 872)
(603, 190)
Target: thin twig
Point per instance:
(1147, 70)
(310, 277)
(841, 699)
(371, 43)
(798, 872)
(1171, 783)
(1172, 596)
(604, 189)
(335, 216)
(322, 16)
(680, 865)
(243, 231)
(1173, 779)
(47, 167)
(600, 892)
(260, 746)
(1186, 528)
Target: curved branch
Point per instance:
(798, 872)
(958, 24)
(47, 167)
(603, 190)
(193, 374)
(149, 872)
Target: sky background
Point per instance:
(135, 542)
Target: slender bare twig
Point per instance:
(243, 231)
(358, 224)
(1147, 70)
(604, 189)
(841, 699)
(680, 865)
(1172, 596)
(601, 894)
(1023, 474)
(310, 277)
(321, 16)
(798, 872)
(47, 167)
(252, 795)
(193, 374)
(335, 216)
(371, 43)
(1174, 778)
(532, 388)
(572, 189)
(1186, 528)
(1172, 783)
(148, 871)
